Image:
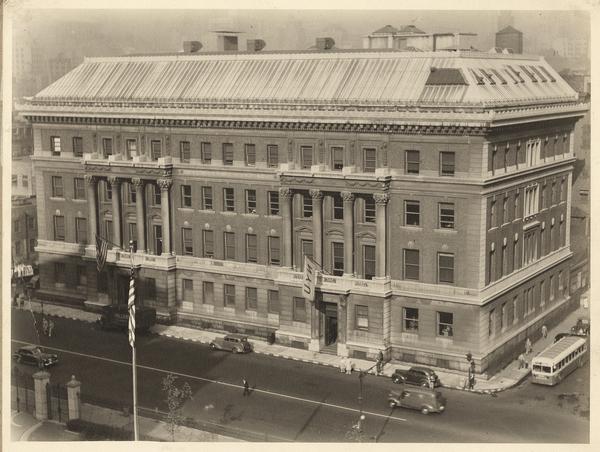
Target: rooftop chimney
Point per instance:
(255, 45)
(325, 43)
(191, 46)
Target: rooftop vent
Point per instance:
(255, 45)
(325, 43)
(191, 46)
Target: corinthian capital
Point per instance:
(347, 196)
(114, 181)
(164, 184)
(285, 193)
(137, 182)
(381, 198)
(316, 194)
(89, 179)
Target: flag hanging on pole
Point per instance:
(131, 308)
(101, 252)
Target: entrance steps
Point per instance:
(330, 349)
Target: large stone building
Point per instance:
(432, 187)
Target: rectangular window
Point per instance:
(273, 301)
(491, 322)
(229, 295)
(503, 317)
(208, 292)
(59, 272)
(272, 156)
(251, 253)
(132, 228)
(338, 258)
(447, 164)
(229, 245)
(150, 289)
(492, 214)
(184, 151)
(208, 243)
(108, 229)
(205, 153)
(446, 268)
(81, 230)
(446, 215)
(306, 156)
(57, 187)
(531, 200)
(543, 196)
(445, 321)
(515, 309)
(505, 210)
(227, 154)
(207, 198)
(131, 148)
(251, 201)
(77, 147)
(369, 209)
(337, 158)
(274, 251)
(369, 160)
(228, 200)
(273, 203)
(412, 162)
(131, 194)
(542, 293)
(250, 155)
(187, 243)
(307, 206)
(411, 264)
(307, 250)
(369, 261)
(156, 149)
(81, 275)
(156, 198)
(410, 320)
(107, 149)
(338, 207)
(187, 286)
(186, 196)
(59, 228)
(251, 299)
(55, 146)
(299, 313)
(517, 212)
(362, 317)
(78, 188)
(492, 266)
(412, 213)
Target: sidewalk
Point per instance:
(505, 379)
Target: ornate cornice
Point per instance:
(381, 198)
(164, 184)
(125, 171)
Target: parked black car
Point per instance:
(34, 355)
(419, 376)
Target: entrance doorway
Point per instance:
(331, 323)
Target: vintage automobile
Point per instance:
(34, 355)
(419, 376)
(235, 343)
(582, 327)
(423, 399)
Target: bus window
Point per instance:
(537, 367)
(546, 369)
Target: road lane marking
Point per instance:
(223, 383)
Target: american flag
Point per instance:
(131, 307)
(101, 251)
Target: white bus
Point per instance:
(559, 360)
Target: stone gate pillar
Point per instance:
(41, 381)
(73, 398)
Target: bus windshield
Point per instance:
(542, 369)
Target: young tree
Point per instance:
(176, 397)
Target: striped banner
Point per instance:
(101, 252)
(131, 308)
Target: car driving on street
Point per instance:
(34, 355)
(423, 399)
(419, 376)
(235, 343)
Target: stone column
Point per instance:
(317, 225)
(92, 195)
(140, 205)
(342, 348)
(73, 398)
(41, 380)
(348, 199)
(381, 200)
(115, 184)
(287, 236)
(165, 185)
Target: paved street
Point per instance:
(298, 401)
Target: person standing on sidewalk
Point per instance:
(50, 327)
(544, 331)
(45, 326)
(246, 387)
(379, 362)
(522, 362)
(528, 347)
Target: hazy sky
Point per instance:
(111, 32)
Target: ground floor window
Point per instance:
(229, 295)
(411, 320)
(369, 261)
(251, 298)
(445, 324)
(188, 289)
(362, 317)
(208, 290)
(299, 314)
(273, 301)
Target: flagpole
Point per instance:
(133, 364)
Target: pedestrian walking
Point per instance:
(343, 364)
(50, 327)
(379, 362)
(522, 362)
(348, 367)
(544, 331)
(45, 326)
(471, 380)
(246, 387)
(528, 347)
